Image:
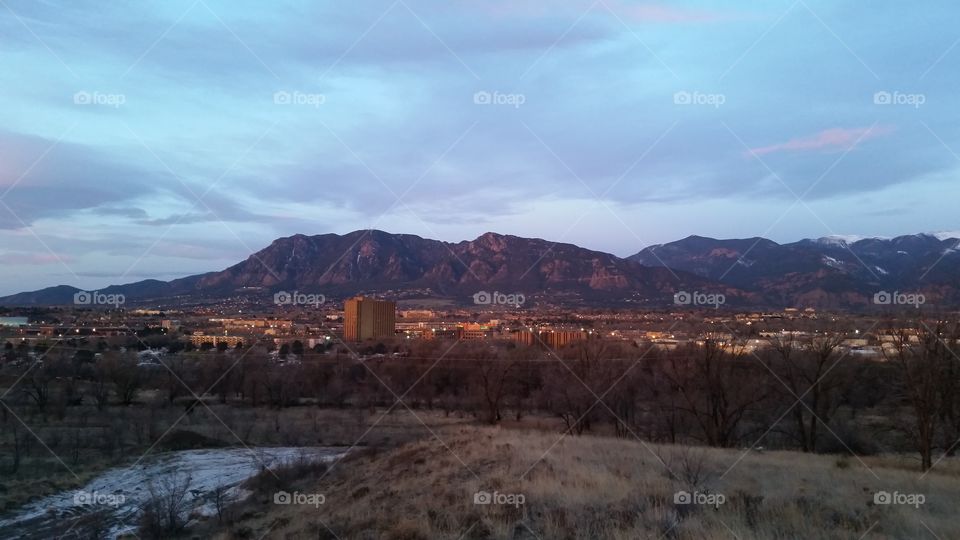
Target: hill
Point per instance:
(593, 487)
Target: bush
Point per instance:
(165, 511)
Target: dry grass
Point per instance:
(590, 487)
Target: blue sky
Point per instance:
(160, 139)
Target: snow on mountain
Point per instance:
(830, 261)
(838, 239)
(843, 240)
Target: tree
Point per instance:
(165, 510)
(494, 376)
(37, 386)
(716, 388)
(812, 375)
(126, 378)
(950, 388)
(923, 366)
(578, 382)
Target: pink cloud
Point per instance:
(638, 12)
(33, 258)
(828, 139)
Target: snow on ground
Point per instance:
(122, 490)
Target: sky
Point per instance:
(157, 139)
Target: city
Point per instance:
(300, 370)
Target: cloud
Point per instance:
(41, 177)
(399, 92)
(638, 12)
(828, 139)
(36, 258)
(129, 212)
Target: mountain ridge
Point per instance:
(808, 269)
(835, 271)
(366, 260)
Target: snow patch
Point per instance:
(206, 469)
(838, 240)
(946, 235)
(830, 261)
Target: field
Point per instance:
(600, 487)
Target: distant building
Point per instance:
(213, 339)
(471, 331)
(550, 338)
(418, 314)
(170, 324)
(368, 318)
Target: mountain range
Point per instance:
(827, 272)
(832, 271)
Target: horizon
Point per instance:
(941, 235)
(171, 139)
(848, 239)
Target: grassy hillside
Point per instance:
(591, 487)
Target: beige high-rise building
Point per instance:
(368, 318)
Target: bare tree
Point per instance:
(221, 500)
(577, 384)
(716, 387)
(495, 378)
(126, 378)
(36, 386)
(165, 511)
(813, 374)
(923, 364)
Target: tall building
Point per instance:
(367, 318)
